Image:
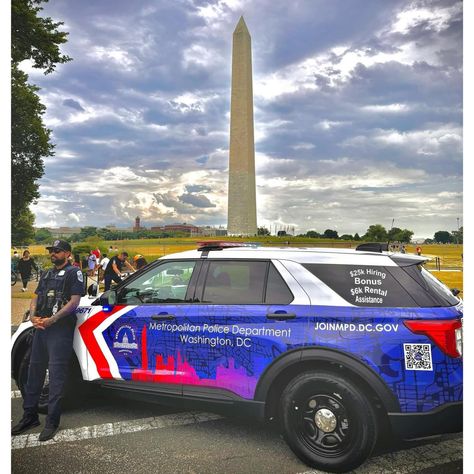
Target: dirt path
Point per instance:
(21, 301)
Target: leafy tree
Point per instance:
(330, 234)
(399, 235)
(263, 231)
(37, 39)
(393, 234)
(457, 235)
(347, 237)
(357, 237)
(313, 234)
(405, 236)
(43, 235)
(443, 237)
(23, 232)
(376, 233)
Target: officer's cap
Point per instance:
(61, 245)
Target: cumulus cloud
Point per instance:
(357, 106)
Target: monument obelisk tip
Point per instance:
(241, 27)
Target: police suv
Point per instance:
(340, 346)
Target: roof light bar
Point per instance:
(221, 245)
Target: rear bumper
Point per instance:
(444, 419)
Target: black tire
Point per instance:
(328, 421)
(14, 278)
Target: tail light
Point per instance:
(446, 334)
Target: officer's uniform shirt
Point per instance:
(68, 281)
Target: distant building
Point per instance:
(184, 228)
(63, 232)
(137, 226)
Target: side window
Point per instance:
(363, 285)
(166, 283)
(277, 290)
(238, 282)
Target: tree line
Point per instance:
(375, 233)
(378, 233)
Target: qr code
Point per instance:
(418, 357)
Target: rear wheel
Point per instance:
(328, 421)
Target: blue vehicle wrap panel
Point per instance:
(229, 347)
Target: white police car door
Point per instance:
(140, 339)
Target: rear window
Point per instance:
(401, 287)
(363, 285)
(439, 293)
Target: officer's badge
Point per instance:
(80, 277)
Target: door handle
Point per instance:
(281, 316)
(163, 317)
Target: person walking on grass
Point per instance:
(25, 266)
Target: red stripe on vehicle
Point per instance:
(86, 329)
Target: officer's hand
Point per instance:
(47, 322)
(37, 322)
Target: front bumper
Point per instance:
(444, 419)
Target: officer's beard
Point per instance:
(58, 261)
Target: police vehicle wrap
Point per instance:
(377, 317)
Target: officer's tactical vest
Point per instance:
(53, 297)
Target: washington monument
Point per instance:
(242, 206)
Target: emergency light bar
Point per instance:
(221, 245)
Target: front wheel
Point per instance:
(328, 421)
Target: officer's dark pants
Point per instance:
(52, 350)
(108, 278)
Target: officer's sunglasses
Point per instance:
(55, 251)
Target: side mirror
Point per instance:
(112, 297)
(108, 298)
(455, 291)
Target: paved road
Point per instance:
(107, 433)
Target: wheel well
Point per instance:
(22, 345)
(290, 372)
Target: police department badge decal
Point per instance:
(125, 339)
(80, 277)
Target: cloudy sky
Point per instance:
(357, 103)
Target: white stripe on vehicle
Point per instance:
(98, 334)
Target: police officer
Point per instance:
(52, 313)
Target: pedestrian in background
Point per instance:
(25, 267)
(91, 264)
(114, 269)
(139, 261)
(15, 259)
(77, 261)
(102, 266)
